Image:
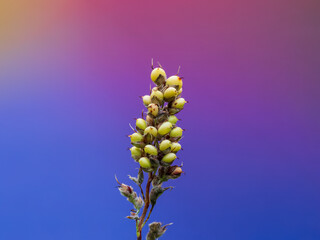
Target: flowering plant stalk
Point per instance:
(155, 144)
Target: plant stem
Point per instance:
(146, 207)
(139, 237)
(142, 192)
(149, 214)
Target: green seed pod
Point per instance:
(176, 132)
(169, 158)
(165, 128)
(136, 137)
(179, 103)
(146, 100)
(150, 133)
(152, 150)
(173, 119)
(164, 145)
(170, 93)
(158, 76)
(141, 124)
(145, 162)
(157, 97)
(137, 140)
(174, 110)
(175, 147)
(174, 81)
(153, 109)
(135, 153)
(151, 130)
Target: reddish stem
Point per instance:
(146, 206)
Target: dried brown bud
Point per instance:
(173, 172)
(125, 190)
(177, 171)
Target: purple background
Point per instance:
(70, 76)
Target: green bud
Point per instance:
(156, 73)
(136, 137)
(173, 119)
(169, 158)
(141, 124)
(164, 145)
(170, 93)
(175, 147)
(153, 109)
(176, 132)
(165, 128)
(152, 150)
(156, 97)
(145, 162)
(174, 81)
(180, 91)
(179, 103)
(151, 130)
(135, 153)
(146, 100)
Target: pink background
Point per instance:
(70, 76)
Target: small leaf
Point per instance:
(156, 193)
(140, 176)
(134, 179)
(138, 180)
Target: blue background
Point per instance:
(70, 76)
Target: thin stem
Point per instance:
(139, 237)
(149, 214)
(146, 206)
(142, 192)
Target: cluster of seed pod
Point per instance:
(156, 137)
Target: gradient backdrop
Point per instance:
(70, 76)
